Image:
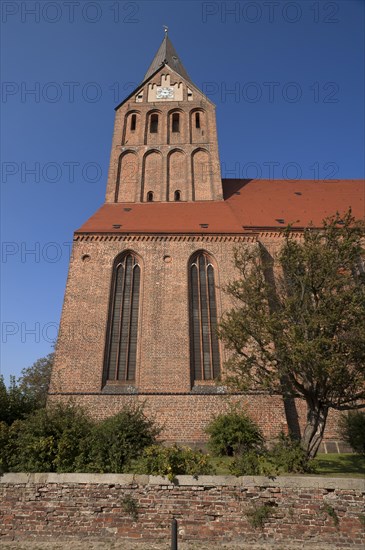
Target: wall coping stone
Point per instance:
(312, 482)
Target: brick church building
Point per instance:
(145, 292)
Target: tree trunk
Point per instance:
(314, 429)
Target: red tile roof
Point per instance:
(248, 204)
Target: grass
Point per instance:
(330, 465)
(343, 465)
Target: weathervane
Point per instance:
(165, 29)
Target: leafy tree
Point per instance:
(352, 428)
(298, 328)
(34, 380)
(26, 394)
(14, 404)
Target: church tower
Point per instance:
(142, 300)
(164, 145)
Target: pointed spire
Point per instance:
(166, 55)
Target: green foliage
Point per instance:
(298, 327)
(259, 515)
(34, 381)
(233, 433)
(14, 404)
(28, 393)
(62, 438)
(48, 440)
(118, 440)
(130, 506)
(252, 464)
(288, 456)
(173, 461)
(4, 438)
(331, 512)
(352, 428)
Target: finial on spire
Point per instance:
(165, 29)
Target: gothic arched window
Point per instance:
(121, 350)
(204, 350)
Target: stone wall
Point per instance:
(210, 508)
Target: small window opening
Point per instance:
(154, 124)
(149, 196)
(177, 196)
(176, 122)
(133, 123)
(197, 120)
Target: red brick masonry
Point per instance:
(216, 508)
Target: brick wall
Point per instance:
(134, 171)
(163, 377)
(113, 507)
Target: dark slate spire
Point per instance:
(166, 55)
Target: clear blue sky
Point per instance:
(287, 79)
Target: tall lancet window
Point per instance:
(204, 347)
(121, 351)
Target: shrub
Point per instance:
(48, 440)
(288, 456)
(352, 427)
(233, 434)
(173, 461)
(252, 464)
(130, 506)
(64, 439)
(116, 441)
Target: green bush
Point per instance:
(116, 441)
(252, 464)
(288, 456)
(352, 427)
(233, 434)
(64, 439)
(48, 440)
(173, 461)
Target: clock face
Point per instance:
(165, 93)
